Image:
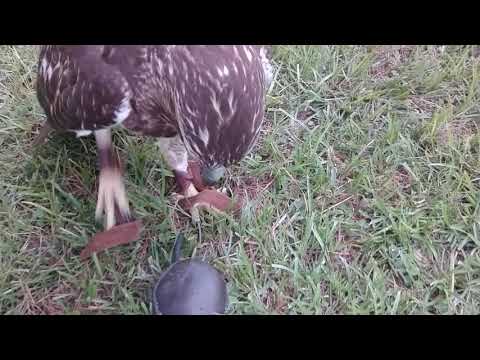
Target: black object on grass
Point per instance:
(189, 287)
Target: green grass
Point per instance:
(363, 195)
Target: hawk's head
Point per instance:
(221, 117)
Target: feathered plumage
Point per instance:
(203, 102)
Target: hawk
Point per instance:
(204, 103)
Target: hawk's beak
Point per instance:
(212, 175)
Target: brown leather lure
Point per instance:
(208, 197)
(116, 236)
(211, 199)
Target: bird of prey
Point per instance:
(204, 103)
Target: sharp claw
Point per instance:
(111, 195)
(100, 205)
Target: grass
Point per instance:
(363, 195)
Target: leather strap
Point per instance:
(118, 235)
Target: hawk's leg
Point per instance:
(112, 199)
(176, 156)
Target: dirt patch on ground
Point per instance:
(389, 58)
(64, 297)
(34, 131)
(276, 301)
(309, 118)
(337, 159)
(347, 249)
(402, 179)
(49, 301)
(457, 131)
(424, 105)
(423, 259)
(36, 242)
(312, 256)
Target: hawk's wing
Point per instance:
(79, 90)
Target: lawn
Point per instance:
(361, 197)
